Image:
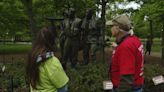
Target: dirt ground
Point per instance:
(11, 58)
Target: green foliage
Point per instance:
(151, 8)
(87, 78)
(14, 72)
(13, 18)
(150, 72)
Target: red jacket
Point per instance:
(128, 58)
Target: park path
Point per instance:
(156, 54)
(154, 58)
(11, 58)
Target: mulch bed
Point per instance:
(11, 58)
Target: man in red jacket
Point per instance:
(127, 60)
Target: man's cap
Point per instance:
(121, 19)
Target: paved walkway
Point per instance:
(156, 54)
(153, 54)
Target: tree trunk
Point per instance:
(103, 13)
(151, 30)
(103, 3)
(29, 8)
(162, 40)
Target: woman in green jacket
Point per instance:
(44, 70)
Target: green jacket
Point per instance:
(52, 76)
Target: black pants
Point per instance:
(148, 50)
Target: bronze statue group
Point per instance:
(79, 34)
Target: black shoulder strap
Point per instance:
(123, 38)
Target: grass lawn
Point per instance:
(25, 48)
(156, 48)
(14, 48)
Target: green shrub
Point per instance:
(88, 78)
(150, 72)
(13, 73)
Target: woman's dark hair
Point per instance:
(44, 42)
